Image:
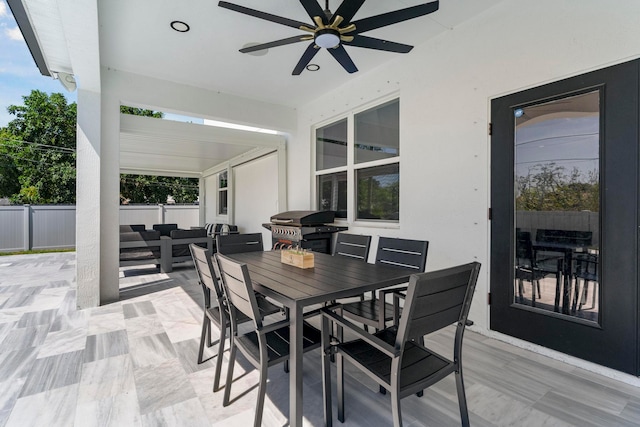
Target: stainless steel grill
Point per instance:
(308, 229)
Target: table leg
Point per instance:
(295, 367)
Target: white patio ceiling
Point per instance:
(135, 36)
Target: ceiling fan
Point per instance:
(333, 31)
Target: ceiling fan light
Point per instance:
(327, 40)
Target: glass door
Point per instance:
(565, 215)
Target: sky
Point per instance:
(18, 72)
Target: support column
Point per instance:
(88, 200)
(110, 199)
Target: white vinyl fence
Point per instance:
(30, 227)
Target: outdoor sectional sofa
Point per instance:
(151, 247)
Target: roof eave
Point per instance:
(21, 17)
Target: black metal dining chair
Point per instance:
(264, 345)
(587, 266)
(393, 357)
(217, 314)
(528, 267)
(376, 311)
(239, 243)
(354, 246)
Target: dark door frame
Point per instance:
(615, 343)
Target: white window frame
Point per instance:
(220, 191)
(351, 166)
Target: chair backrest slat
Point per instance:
(438, 299)
(239, 243)
(353, 246)
(238, 287)
(204, 269)
(402, 253)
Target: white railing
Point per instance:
(28, 227)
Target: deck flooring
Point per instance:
(133, 363)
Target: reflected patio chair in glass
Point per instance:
(264, 345)
(396, 253)
(392, 357)
(587, 271)
(217, 313)
(529, 268)
(239, 243)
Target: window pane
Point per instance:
(378, 192)
(377, 133)
(222, 180)
(331, 145)
(557, 203)
(332, 193)
(222, 202)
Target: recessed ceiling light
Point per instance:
(313, 67)
(261, 52)
(179, 26)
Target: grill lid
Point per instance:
(300, 218)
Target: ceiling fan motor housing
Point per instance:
(327, 38)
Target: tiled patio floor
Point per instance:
(132, 363)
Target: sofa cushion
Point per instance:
(183, 250)
(127, 228)
(165, 229)
(141, 253)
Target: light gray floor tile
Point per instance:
(53, 408)
(151, 350)
(18, 363)
(184, 414)
(574, 412)
(143, 308)
(114, 411)
(106, 378)
(36, 318)
(143, 326)
(107, 344)
(188, 355)
(53, 372)
(162, 385)
(24, 337)
(63, 342)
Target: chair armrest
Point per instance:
(399, 291)
(274, 326)
(362, 334)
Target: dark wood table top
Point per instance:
(331, 278)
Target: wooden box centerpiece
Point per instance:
(297, 257)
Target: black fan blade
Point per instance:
(394, 17)
(343, 58)
(372, 43)
(307, 56)
(263, 15)
(348, 9)
(313, 9)
(276, 43)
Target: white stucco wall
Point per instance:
(445, 88)
(256, 195)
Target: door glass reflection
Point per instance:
(557, 200)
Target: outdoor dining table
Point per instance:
(330, 279)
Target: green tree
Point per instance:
(156, 189)
(550, 188)
(39, 148)
(9, 171)
(37, 157)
